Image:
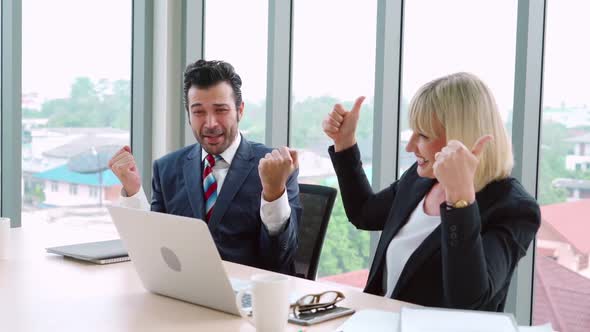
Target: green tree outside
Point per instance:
(105, 104)
(345, 248)
(553, 151)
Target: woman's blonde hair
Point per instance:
(464, 106)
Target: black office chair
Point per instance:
(317, 202)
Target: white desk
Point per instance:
(44, 292)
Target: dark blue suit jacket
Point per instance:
(235, 225)
(467, 261)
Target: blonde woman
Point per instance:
(455, 225)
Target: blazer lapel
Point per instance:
(418, 257)
(427, 248)
(239, 169)
(193, 183)
(405, 202)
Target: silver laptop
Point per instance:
(176, 256)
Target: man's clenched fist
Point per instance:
(274, 169)
(124, 167)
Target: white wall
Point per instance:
(62, 196)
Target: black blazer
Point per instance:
(467, 261)
(235, 225)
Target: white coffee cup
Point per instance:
(270, 302)
(4, 237)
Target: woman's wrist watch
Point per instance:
(458, 204)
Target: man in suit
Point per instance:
(252, 214)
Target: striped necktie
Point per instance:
(209, 185)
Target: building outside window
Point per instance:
(562, 272)
(76, 108)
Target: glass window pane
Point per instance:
(333, 62)
(228, 38)
(76, 108)
(562, 269)
(444, 37)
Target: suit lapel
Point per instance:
(405, 202)
(418, 257)
(428, 247)
(239, 169)
(193, 184)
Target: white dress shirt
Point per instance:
(273, 214)
(405, 242)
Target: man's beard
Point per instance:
(228, 138)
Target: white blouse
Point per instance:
(404, 243)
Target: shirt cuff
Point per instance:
(276, 213)
(137, 201)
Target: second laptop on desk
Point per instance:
(102, 252)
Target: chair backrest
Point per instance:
(317, 202)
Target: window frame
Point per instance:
(73, 189)
(526, 131)
(11, 111)
(11, 108)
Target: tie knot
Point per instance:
(211, 159)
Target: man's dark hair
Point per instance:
(204, 74)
